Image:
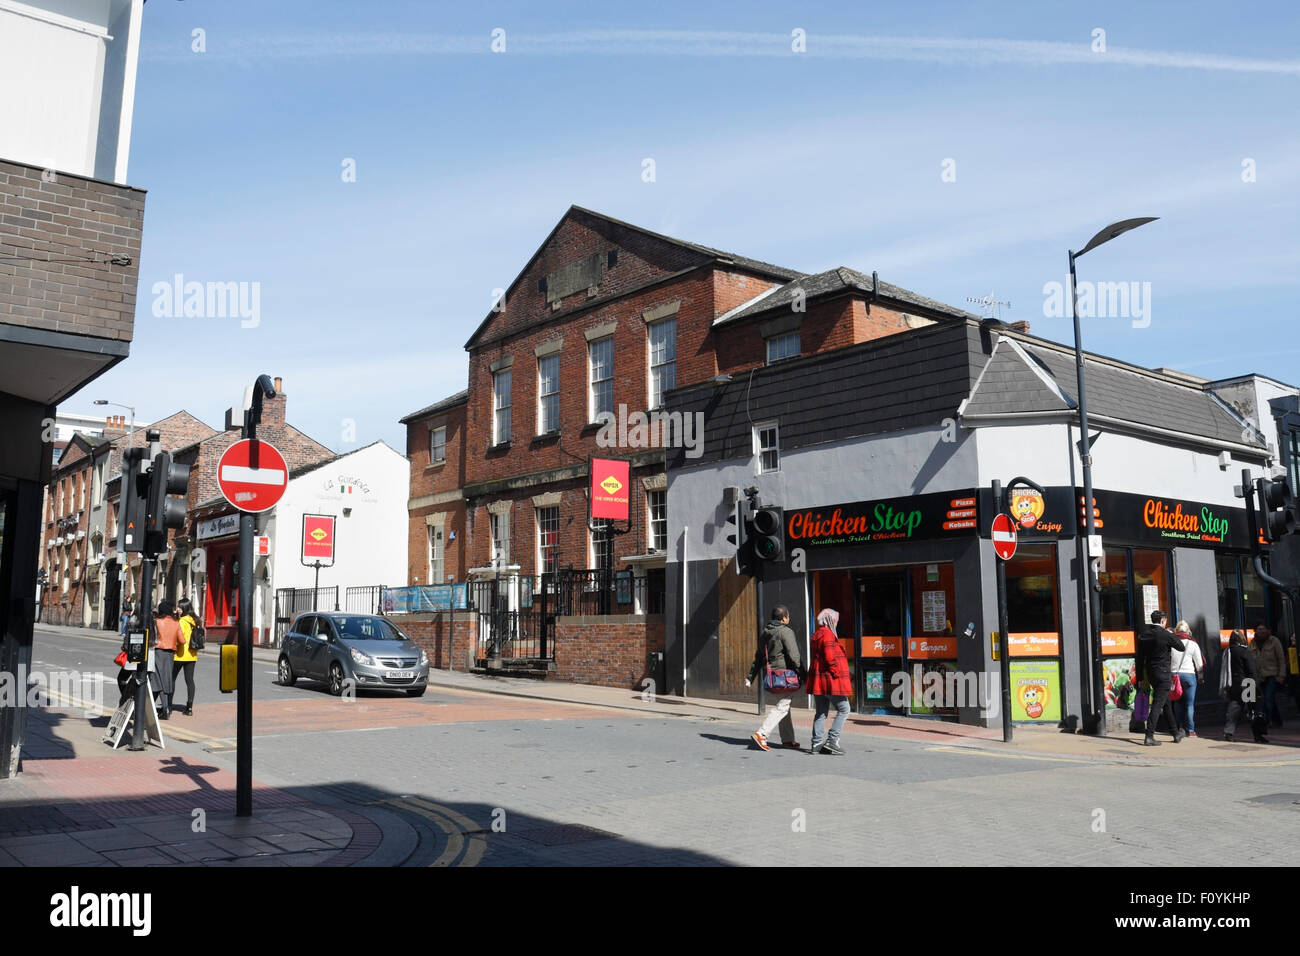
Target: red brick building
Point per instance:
(603, 320)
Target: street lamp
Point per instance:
(1095, 722)
(104, 401)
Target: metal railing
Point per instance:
(599, 591)
(368, 599)
(290, 602)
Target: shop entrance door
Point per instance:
(883, 628)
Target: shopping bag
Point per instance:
(1142, 705)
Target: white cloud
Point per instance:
(945, 50)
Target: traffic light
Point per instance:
(1277, 509)
(167, 478)
(769, 533)
(133, 504)
(742, 537)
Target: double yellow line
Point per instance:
(464, 844)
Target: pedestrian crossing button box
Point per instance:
(135, 647)
(229, 668)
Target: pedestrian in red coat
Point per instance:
(828, 683)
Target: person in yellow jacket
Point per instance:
(186, 656)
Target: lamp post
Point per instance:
(1094, 722)
(131, 433)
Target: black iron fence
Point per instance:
(364, 600)
(597, 591)
(290, 602)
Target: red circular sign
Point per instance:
(252, 475)
(1004, 537)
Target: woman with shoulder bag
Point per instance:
(186, 654)
(1189, 665)
(828, 683)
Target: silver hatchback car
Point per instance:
(368, 650)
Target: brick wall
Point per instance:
(68, 218)
(527, 452)
(436, 479)
(640, 259)
(441, 634)
(610, 651)
(574, 544)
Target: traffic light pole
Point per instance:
(244, 677)
(143, 690)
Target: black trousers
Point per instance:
(188, 667)
(1160, 701)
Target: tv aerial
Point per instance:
(991, 305)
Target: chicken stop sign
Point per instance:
(252, 475)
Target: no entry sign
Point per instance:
(252, 475)
(1004, 537)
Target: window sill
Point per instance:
(435, 466)
(499, 446)
(546, 437)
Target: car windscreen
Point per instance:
(366, 628)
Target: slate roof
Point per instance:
(459, 398)
(1008, 384)
(908, 380)
(830, 282)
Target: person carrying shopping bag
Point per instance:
(777, 650)
(1189, 666)
(828, 683)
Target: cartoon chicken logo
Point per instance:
(1026, 507)
(1033, 699)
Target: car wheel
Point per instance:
(336, 679)
(415, 692)
(287, 676)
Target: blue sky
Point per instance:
(466, 158)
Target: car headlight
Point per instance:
(360, 658)
(424, 659)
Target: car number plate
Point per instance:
(400, 675)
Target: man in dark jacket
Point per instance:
(1153, 665)
(777, 648)
(1243, 685)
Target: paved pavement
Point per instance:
(499, 771)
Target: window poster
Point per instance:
(1035, 691)
(934, 611)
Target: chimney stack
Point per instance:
(1021, 326)
(273, 408)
